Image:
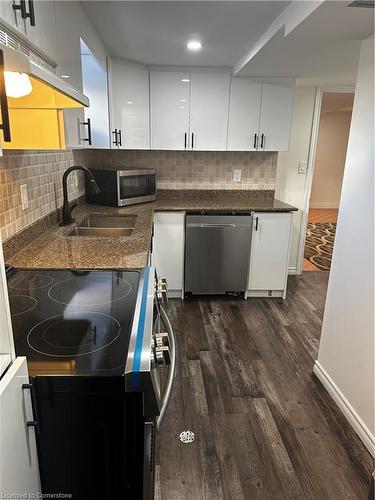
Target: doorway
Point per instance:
(328, 171)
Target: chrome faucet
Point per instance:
(67, 208)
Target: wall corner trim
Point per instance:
(346, 408)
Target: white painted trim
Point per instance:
(346, 408)
(292, 270)
(324, 204)
(311, 164)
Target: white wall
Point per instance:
(330, 159)
(346, 355)
(290, 185)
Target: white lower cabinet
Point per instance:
(169, 248)
(269, 254)
(19, 471)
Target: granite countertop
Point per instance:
(47, 245)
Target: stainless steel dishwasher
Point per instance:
(217, 253)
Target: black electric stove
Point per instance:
(69, 322)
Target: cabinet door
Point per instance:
(96, 124)
(169, 109)
(11, 16)
(130, 105)
(270, 251)
(69, 64)
(168, 249)
(43, 34)
(19, 471)
(244, 111)
(209, 111)
(275, 117)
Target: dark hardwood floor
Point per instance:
(264, 426)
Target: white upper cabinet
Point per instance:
(12, 16)
(169, 109)
(130, 107)
(43, 34)
(275, 117)
(244, 112)
(209, 111)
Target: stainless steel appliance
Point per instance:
(121, 187)
(101, 357)
(217, 253)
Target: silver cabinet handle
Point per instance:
(172, 369)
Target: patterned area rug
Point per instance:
(320, 238)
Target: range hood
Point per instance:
(33, 119)
(17, 62)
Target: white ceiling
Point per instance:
(322, 49)
(155, 33)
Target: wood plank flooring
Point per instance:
(319, 215)
(264, 426)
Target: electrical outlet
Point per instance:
(302, 167)
(24, 197)
(237, 175)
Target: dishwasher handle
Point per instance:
(208, 225)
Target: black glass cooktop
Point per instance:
(69, 322)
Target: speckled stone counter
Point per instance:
(47, 245)
(54, 248)
(221, 200)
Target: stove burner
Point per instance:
(73, 334)
(89, 291)
(21, 304)
(28, 280)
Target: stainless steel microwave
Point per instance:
(123, 187)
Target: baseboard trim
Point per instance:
(346, 408)
(292, 270)
(324, 204)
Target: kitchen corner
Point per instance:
(45, 244)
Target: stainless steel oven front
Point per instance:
(135, 186)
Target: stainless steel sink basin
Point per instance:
(101, 231)
(111, 221)
(105, 225)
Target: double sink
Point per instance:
(105, 225)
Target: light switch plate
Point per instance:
(237, 175)
(302, 167)
(24, 197)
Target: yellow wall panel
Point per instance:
(35, 129)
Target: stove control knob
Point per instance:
(161, 339)
(162, 294)
(162, 356)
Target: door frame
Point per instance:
(311, 163)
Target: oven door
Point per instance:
(136, 186)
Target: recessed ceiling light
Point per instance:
(182, 100)
(129, 102)
(194, 45)
(65, 76)
(185, 80)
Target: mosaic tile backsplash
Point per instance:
(191, 169)
(42, 173)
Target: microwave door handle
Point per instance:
(172, 369)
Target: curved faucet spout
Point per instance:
(66, 208)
